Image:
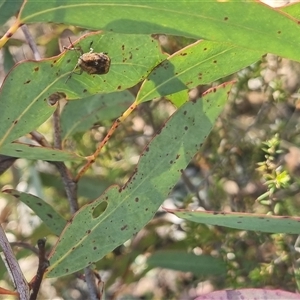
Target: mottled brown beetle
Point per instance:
(90, 62)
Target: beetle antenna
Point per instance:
(78, 48)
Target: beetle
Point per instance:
(90, 62)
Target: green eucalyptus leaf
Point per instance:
(242, 221)
(200, 63)
(26, 90)
(248, 24)
(200, 265)
(37, 152)
(8, 9)
(99, 227)
(53, 220)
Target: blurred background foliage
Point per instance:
(249, 163)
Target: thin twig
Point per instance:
(100, 284)
(90, 281)
(15, 270)
(57, 129)
(69, 184)
(38, 137)
(31, 42)
(43, 265)
(68, 181)
(91, 159)
(25, 246)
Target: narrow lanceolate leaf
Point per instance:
(25, 91)
(200, 63)
(251, 25)
(242, 221)
(48, 215)
(188, 262)
(36, 152)
(79, 116)
(121, 212)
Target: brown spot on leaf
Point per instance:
(50, 216)
(124, 227)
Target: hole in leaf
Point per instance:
(100, 209)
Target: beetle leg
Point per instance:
(73, 72)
